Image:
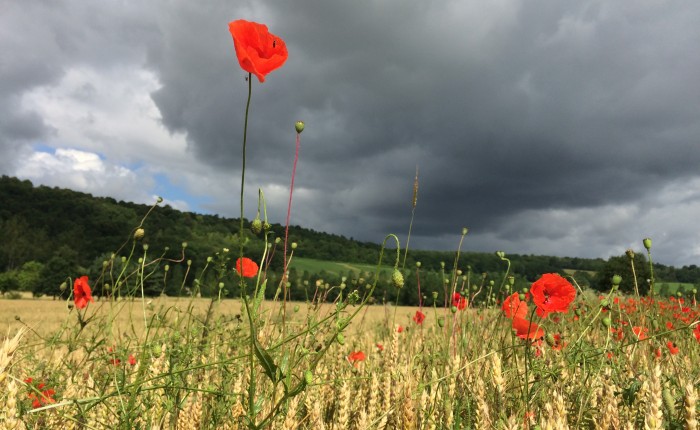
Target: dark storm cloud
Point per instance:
(517, 113)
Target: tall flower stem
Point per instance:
(245, 138)
(286, 232)
(251, 386)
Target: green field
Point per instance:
(334, 268)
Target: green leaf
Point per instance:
(271, 370)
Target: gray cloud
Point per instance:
(544, 127)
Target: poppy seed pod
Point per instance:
(647, 243)
(299, 126)
(139, 233)
(616, 279)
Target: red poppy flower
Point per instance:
(82, 294)
(419, 317)
(552, 293)
(249, 267)
(399, 329)
(672, 348)
(641, 332)
(355, 357)
(526, 329)
(132, 359)
(513, 306)
(45, 397)
(458, 301)
(380, 347)
(696, 332)
(259, 52)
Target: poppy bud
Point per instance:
(550, 339)
(159, 199)
(647, 243)
(441, 322)
(604, 303)
(630, 253)
(139, 233)
(655, 324)
(459, 272)
(294, 245)
(435, 295)
(256, 226)
(266, 226)
(453, 309)
(442, 264)
(465, 231)
(299, 126)
(418, 264)
(511, 280)
(521, 296)
(340, 338)
(397, 279)
(500, 254)
(616, 279)
(308, 377)
(296, 308)
(63, 287)
(607, 322)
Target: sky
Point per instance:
(568, 128)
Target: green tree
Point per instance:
(621, 266)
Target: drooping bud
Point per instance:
(299, 126)
(256, 226)
(397, 279)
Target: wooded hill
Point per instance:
(48, 234)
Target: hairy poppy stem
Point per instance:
(286, 229)
(251, 387)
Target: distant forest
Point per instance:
(50, 234)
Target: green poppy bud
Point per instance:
(550, 339)
(418, 264)
(435, 295)
(299, 126)
(397, 279)
(340, 338)
(616, 279)
(256, 226)
(441, 322)
(607, 322)
(308, 377)
(465, 230)
(604, 303)
(453, 309)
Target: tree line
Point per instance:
(48, 235)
